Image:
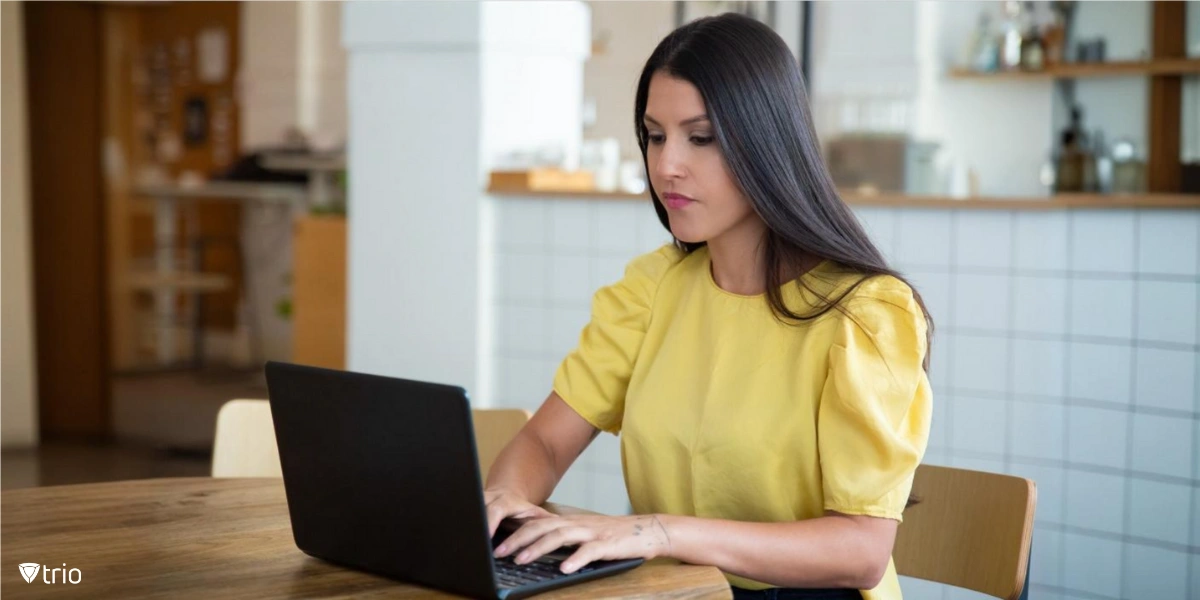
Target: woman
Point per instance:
(766, 371)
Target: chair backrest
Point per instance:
(968, 529)
(494, 429)
(244, 445)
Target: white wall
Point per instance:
(18, 390)
(434, 89)
(415, 157)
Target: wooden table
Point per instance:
(224, 538)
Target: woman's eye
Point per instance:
(657, 139)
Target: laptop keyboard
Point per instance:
(510, 574)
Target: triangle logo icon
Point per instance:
(29, 571)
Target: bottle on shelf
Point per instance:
(1013, 30)
(1033, 51)
(1104, 164)
(1076, 164)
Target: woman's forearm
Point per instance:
(525, 467)
(829, 551)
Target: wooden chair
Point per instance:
(245, 438)
(968, 529)
(494, 428)
(244, 445)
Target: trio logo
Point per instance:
(29, 571)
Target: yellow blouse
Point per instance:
(728, 413)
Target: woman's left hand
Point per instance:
(599, 537)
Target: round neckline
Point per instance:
(712, 281)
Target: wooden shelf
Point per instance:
(1055, 202)
(152, 281)
(1183, 66)
(503, 190)
(895, 200)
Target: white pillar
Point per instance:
(434, 89)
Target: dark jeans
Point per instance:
(796, 594)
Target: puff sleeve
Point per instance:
(593, 378)
(874, 415)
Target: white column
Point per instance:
(434, 89)
(413, 163)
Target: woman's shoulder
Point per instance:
(879, 300)
(656, 264)
(662, 257)
(643, 277)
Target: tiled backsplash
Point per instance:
(1067, 351)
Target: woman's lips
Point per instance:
(676, 200)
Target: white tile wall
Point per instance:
(1160, 511)
(1041, 240)
(1102, 241)
(1155, 573)
(1092, 564)
(606, 270)
(984, 239)
(1195, 576)
(956, 593)
(1102, 308)
(570, 225)
(614, 228)
(939, 361)
(609, 495)
(1039, 367)
(523, 225)
(934, 287)
(1166, 379)
(939, 426)
(1037, 363)
(1167, 311)
(522, 277)
(1099, 372)
(912, 587)
(980, 363)
(976, 463)
(1097, 436)
(1037, 430)
(1162, 445)
(1096, 501)
(923, 238)
(1167, 242)
(566, 323)
(1040, 304)
(570, 280)
(981, 302)
(880, 224)
(979, 425)
(1047, 554)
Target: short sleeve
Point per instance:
(873, 420)
(593, 378)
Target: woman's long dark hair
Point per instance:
(758, 107)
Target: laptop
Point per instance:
(381, 475)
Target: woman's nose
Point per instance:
(670, 163)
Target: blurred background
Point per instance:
(434, 190)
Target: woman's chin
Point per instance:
(687, 236)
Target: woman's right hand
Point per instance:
(503, 503)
